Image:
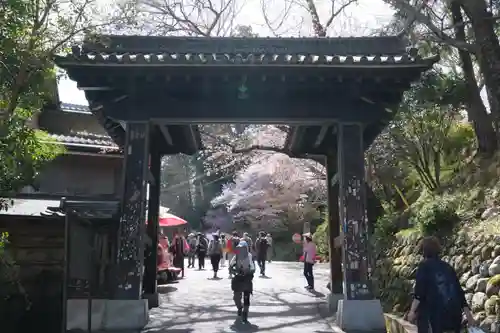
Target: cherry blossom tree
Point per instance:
(274, 192)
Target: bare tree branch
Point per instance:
(411, 11)
(273, 26)
(190, 17)
(411, 20)
(337, 12)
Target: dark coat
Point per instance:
(241, 283)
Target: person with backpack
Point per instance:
(438, 300)
(215, 252)
(232, 243)
(243, 269)
(191, 240)
(251, 246)
(201, 250)
(261, 247)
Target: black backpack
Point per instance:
(263, 245)
(449, 295)
(202, 246)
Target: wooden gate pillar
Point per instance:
(130, 251)
(151, 260)
(358, 289)
(353, 216)
(334, 230)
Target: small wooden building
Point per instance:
(90, 168)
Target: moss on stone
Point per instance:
(495, 280)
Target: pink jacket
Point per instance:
(310, 252)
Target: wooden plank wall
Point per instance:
(37, 245)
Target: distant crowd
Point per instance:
(221, 248)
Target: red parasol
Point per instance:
(170, 220)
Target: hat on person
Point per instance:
(307, 235)
(191, 235)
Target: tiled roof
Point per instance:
(257, 45)
(32, 207)
(52, 208)
(85, 139)
(217, 59)
(191, 51)
(91, 209)
(77, 108)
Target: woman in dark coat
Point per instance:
(201, 250)
(179, 251)
(243, 268)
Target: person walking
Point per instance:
(261, 248)
(243, 269)
(179, 250)
(191, 240)
(224, 249)
(215, 253)
(269, 248)
(232, 243)
(251, 246)
(438, 300)
(309, 250)
(201, 250)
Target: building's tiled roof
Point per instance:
(32, 207)
(76, 108)
(37, 207)
(91, 209)
(88, 138)
(389, 51)
(85, 139)
(218, 59)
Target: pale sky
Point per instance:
(358, 20)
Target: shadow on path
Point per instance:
(204, 305)
(164, 289)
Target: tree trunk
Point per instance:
(476, 111)
(488, 50)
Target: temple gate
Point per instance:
(337, 94)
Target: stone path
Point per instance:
(280, 303)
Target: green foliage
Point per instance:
(460, 144)
(435, 214)
(9, 272)
(23, 152)
(321, 238)
(385, 229)
(3, 241)
(425, 144)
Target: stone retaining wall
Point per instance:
(476, 258)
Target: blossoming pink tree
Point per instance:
(274, 192)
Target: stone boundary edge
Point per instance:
(395, 324)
